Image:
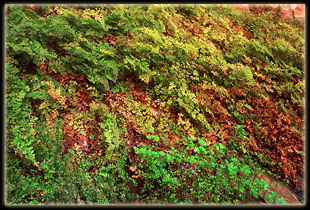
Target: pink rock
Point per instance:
(274, 6)
(287, 11)
(299, 11)
(242, 6)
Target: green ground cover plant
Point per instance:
(151, 104)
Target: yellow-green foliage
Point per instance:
(144, 117)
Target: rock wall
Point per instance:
(290, 11)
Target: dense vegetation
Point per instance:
(152, 104)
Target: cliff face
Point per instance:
(290, 11)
